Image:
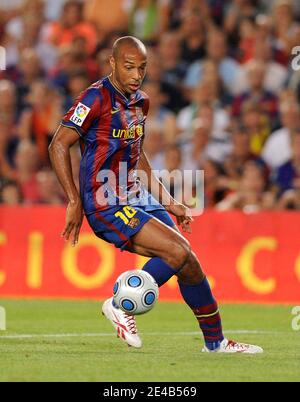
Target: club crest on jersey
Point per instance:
(139, 114)
(129, 134)
(80, 114)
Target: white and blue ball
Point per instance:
(135, 292)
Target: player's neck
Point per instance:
(118, 86)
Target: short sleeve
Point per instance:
(84, 112)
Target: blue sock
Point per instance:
(198, 297)
(160, 271)
(201, 301)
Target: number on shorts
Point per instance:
(128, 214)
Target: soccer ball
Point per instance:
(135, 292)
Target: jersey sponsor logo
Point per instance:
(80, 114)
(130, 133)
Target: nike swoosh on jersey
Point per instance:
(114, 111)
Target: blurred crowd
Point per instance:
(224, 95)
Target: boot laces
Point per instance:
(233, 345)
(131, 324)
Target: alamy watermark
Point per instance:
(2, 58)
(296, 59)
(126, 186)
(2, 319)
(296, 319)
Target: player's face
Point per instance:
(129, 70)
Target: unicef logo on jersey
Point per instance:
(129, 134)
(80, 114)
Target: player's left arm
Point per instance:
(159, 191)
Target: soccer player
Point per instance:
(108, 119)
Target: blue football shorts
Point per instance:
(118, 224)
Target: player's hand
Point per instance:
(183, 215)
(74, 220)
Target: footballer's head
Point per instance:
(128, 62)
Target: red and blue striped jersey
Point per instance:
(111, 129)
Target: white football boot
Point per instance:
(124, 324)
(235, 347)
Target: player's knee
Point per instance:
(192, 272)
(179, 254)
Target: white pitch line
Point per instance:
(97, 335)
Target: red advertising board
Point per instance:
(248, 258)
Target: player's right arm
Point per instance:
(59, 152)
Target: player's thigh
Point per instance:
(164, 217)
(156, 239)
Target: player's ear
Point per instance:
(112, 63)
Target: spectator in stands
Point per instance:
(257, 93)
(8, 145)
(148, 18)
(192, 34)
(290, 200)
(220, 96)
(217, 10)
(27, 167)
(240, 155)
(277, 150)
(30, 70)
(24, 30)
(78, 82)
(73, 59)
(32, 37)
(173, 97)
(70, 26)
(10, 194)
(276, 74)
(173, 68)
(103, 57)
(286, 29)
(159, 115)
(53, 9)
(107, 15)
(235, 13)
(39, 122)
(288, 175)
(247, 34)
(203, 145)
(217, 51)
(257, 124)
(49, 190)
(8, 110)
(251, 195)
(204, 95)
(215, 183)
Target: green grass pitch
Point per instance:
(71, 341)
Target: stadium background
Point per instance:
(225, 99)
